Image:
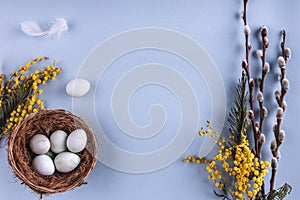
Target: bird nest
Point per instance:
(46, 122)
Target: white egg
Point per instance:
(58, 141)
(44, 165)
(77, 140)
(77, 87)
(66, 161)
(39, 144)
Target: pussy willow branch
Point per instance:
(280, 101)
(282, 45)
(283, 91)
(245, 15)
(265, 45)
(262, 110)
(282, 69)
(257, 127)
(251, 83)
(264, 71)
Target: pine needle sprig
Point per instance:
(238, 116)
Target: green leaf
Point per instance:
(280, 193)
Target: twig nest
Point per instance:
(21, 157)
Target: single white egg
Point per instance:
(78, 87)
(77, 140)
(39, 144)
(66, 161)
(44, 165)
(58, 141)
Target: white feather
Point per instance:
(31, 28)
(56, 28)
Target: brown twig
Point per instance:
(282, 45)
(251, 84)
(265, 42)
(279, 95)
(264, 70)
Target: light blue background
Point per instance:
(213, 24)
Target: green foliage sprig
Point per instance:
(19, 95)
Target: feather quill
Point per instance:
(55, 28)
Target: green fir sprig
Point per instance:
(238, 116)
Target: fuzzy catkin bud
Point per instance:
(242, 14)
(259, 82)
(287, 53)
(266, 41)
(281, 61)
(278, 155)
(249, 46)
(264, 31)
(251, 114)
(260, 97)
(274, 163)
(275, 128)
(280, 76)
(245, 64)
(285, 84)
(281, 136)
(259, 53)
(284, 105)
(262, 138)
(277, 94)
(265, 112)
(266, 67)
(273, 145)
(279, 113)
(256, 129)
(247, 29)
(252, 83)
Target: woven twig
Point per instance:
(46, 122)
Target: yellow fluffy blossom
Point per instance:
(19, 95)
(234, 168)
